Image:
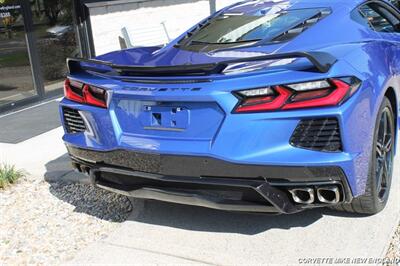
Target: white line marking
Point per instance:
(30, 107)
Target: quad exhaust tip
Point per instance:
(76, 167)
(80, 168)
(329, 195)
(85, 169)
(303, 195)
(326, 195)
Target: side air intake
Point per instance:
(318, 135)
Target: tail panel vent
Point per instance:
(318, 135)
(73, 121)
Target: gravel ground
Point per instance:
(42, 223)
(47, 224)
(393, 253)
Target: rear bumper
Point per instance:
(204, 181)
(248, 139)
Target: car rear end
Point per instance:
(219, 141)
(228, 120)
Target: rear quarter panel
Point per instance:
(378, 63)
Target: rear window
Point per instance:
(247, 28)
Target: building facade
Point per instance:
(36, 36)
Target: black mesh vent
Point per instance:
(73, 121)
(298, 29)
(318, 134)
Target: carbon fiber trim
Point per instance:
(193, 166)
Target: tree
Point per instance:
(52, 10)
(67, 12)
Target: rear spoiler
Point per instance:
(321, 61)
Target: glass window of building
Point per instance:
(16, 82)
(55, 37)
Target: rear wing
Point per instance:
(321, 61)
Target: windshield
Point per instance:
(240, 28)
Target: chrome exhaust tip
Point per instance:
(85, 170)
(76, 167)
(303, 195)
(329, 195)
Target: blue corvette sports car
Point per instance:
(268, 106)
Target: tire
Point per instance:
(376, 195)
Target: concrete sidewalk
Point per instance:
(161, 233)
(36, 146)
(164, 233)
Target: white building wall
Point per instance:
(143, 21)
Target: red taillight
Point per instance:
(79, 92)
(338, 92)
(95, 96)
(265, 103)
(321, 93)
(73, 91)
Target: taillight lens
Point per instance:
(329, 92)
(83, 93)
(73, 90)
(95, 96)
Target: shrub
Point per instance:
(9, 175)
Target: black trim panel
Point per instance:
(217, 193)
(322, 62)
(205, 181)
(193, 166)
(205, 192)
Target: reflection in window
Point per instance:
(396, 3)
(376, 19)
(16, 81)
(236, 28)
(53, 26)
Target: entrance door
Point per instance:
(16, 79)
